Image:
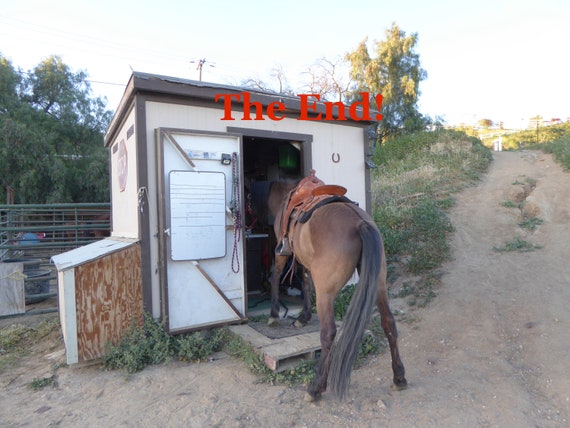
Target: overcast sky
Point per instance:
(503, 60)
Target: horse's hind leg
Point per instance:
(278, 267)
(389, 327)
(325, 312)
(306, 314)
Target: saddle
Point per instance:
(310, 194)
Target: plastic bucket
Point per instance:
(288, 157)
(36, 285)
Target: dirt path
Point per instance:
(492, 350)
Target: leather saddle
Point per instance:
(302, 200)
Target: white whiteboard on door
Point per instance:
(197, 215)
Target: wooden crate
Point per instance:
(281, 353)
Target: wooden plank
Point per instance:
(294, 345)
(291, 350)
(12, 296)
(218, 289)
(68, 313)
(108, 297)
(250, 335)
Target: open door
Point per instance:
(200, 243)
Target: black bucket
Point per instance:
(36, 285)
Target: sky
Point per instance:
(492, 59)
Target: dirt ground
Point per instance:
(491, 350)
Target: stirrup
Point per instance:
(283, 249)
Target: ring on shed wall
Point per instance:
(335, 157)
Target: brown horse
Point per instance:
(338, 239)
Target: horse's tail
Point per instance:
(347, 343)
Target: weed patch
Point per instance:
(149, 344)
(16, 341)
(419, 230)
(139, 346)
(518, 245)
(510, 204)
(342, 301)
(40, 383)
(531, 223)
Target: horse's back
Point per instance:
(331, 238)
(339, 222)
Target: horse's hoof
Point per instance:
(299, 324)
(311, 398)
(399, 386)
(273, 322)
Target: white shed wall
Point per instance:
(125, 200)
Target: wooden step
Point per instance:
(281, 353)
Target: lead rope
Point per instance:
(236, 214)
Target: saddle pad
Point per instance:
(306, 215)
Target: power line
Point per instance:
(105, 83)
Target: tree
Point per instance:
(327, 78)
(277, 74)
(485, 123)
(51, 135)
(9, 82)
(395, 72)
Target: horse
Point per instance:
(337, 239)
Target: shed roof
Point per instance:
(199, 91)
(90, 252)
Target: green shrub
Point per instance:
(419, 230)
(198, 346)
(560, 149)
(40, 383)
(140, 346)
(149, 344)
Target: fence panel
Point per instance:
(48, 229)
(32, 234)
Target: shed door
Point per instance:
(201, 246)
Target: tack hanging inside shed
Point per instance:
(181, 179)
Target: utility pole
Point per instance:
(200, 66)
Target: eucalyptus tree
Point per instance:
(394, 71)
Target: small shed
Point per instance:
(183, 154)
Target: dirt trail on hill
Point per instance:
(491, 350)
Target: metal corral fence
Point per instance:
(33, 233)
(44, 230)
